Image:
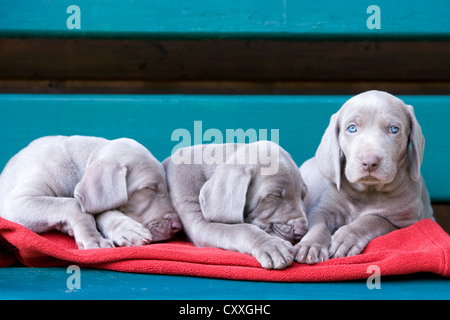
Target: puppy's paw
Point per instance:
(310, 252)
(130, 233)
(93, 242)
(84, 230)
(346, 242)
(274, 253)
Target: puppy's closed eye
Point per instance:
(269, 202)
(151, 188)
(276, 194)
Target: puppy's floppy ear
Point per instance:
(328, 154)
(103, 187)
(222, 198)
(417, 147)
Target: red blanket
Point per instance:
(422, 247)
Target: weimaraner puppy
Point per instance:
(239, 199)
(76, 184)
(365, 179)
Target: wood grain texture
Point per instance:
(442, 215)
(224, 60)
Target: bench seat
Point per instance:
(50, 283)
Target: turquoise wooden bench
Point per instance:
(198, 46)
(152, 119)
(200, 19)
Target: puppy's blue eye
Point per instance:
(352, 129)
(394, 129)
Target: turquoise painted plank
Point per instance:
(51, 283)
(152, 119)
(274, 19)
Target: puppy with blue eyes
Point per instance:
(365, 179)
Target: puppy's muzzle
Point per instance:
(370, 162)
(165, 227)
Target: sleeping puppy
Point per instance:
(76, 184)
(364, 180)
(240, 197)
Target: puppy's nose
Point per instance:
(300, 229)
(176, 226)
(370, 162)
(174, 221)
